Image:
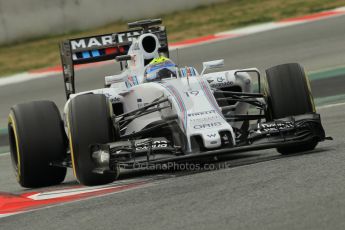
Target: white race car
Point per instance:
(155, 112)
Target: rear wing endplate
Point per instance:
(102, 48)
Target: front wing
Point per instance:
(285, 132)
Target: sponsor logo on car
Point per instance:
(91, 42)
(221, 82)
(131, 81)
(212, 135)
(275, 127)
(129, 36)
(201, 113)
(207, 125)
(103, 40)
(155, 145)
(192, 93)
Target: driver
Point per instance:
(160, 68)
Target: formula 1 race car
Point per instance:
(155, 112)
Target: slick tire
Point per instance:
(288, 93)
(89, 122)
(37, 139)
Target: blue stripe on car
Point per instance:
(85, 54)
(95, 53)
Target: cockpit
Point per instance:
(160, 68)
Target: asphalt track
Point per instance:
(316, 45)
(259, 190)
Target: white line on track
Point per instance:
(140, 187)
(331, 105)
(249, 30)
(4, 154)
(22, 77)
(76, 201)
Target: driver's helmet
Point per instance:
(160, 68)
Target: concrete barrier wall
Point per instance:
(23, 19)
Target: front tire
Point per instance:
(37, 139)
(288, 93)
(89, 122)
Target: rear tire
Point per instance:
(288, 93)
(37, 139)
(89, 122)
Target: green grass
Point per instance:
(43, 52)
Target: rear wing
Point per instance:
(105, 47)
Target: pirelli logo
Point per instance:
(201, 113)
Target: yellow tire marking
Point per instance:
(309, 92)
(11, 120)
(71, 145)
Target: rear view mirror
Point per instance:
(212, 65)
(123, 58)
